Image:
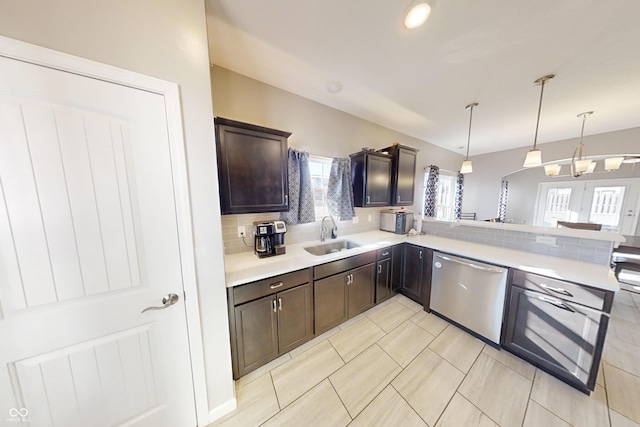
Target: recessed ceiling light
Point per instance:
(334, 86)
(417, 15)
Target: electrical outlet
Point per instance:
(354, 220)
(546, 240)
(369, 218)
(242, 231)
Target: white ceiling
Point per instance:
(419, 81)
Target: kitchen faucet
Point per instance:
(324, 231)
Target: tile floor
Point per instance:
(396, 365)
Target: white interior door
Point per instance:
(88, 238)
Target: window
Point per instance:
(320, 167)
(445, 199)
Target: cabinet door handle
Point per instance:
(273, 303)
(368, 199)
(385, 253)
(560, 291)
(398, 199)
(276, 285)
(280, 304)
(420, 254)
(379, 268)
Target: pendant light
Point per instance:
(534, 156)
(552, 170)
(466, 165)
(580, 164)
(613, 163)
(417, 15)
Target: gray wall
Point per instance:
(315, 128)
(165, 39)
(482, 187)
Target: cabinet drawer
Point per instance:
(579, 294)
(261, 288)
(341, 265)
(383, 253)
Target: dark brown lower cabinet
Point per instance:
(343, 294)
(271, 326)
(295, 317)
(397, 261)
(361, 290)
(383, 280)
(415, 272)
(330, 302)
(257, 334)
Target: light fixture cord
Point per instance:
(469, 136)
(535, 137)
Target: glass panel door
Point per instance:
(606, 207)
(612, 203)
(557, 202)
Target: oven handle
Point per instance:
(469, 264)
(556, 302)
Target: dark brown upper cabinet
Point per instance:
(371, 176)
(403, 174)
(252, 167)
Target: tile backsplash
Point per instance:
(295, 233)
(590, 250)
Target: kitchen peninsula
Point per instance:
(573, 277)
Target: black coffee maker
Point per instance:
(269, 238)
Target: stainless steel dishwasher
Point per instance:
(470, 293)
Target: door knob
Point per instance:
(168, 300)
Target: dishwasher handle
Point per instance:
(472, 265)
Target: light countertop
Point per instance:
(247, 267)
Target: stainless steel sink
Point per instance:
(328, 248)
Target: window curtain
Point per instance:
(457, 200)
(431, 191)
(301, 206)
(502, 204)
(340, 190)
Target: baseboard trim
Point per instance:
(221, 410)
